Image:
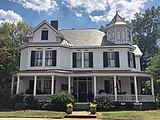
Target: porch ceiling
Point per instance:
(77, 73)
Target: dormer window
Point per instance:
(44, 35)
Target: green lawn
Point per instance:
(32, 114)
(130, 115)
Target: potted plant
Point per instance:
(93, 108)
(69, 108)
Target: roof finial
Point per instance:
(116, 11)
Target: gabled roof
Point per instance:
(117, 19)
(86, 37)
(30, 34)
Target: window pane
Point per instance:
(86, 55)
(79, 63)
(86, 63)
(78, 55)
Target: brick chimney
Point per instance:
(54, 23)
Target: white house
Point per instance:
(87, 63)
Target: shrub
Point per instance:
(116, 105)
(19, 106)
(59, 100)
(31, 102)
(16, 99)
(104, 103)
(129, 105)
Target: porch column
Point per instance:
(115, 88)
(69, 85)
(35, 84)
(152, 86)
(135, 87)
(18, 78)
(95, 86)
(12, 85)
(52, 87)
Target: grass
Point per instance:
(32, 114)
(129, 115)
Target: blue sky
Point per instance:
(71, 13)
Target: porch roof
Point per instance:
(59, 72)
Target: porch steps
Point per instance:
(81, 106)
(80, 114)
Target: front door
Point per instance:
(82, 91)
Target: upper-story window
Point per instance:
(36, 58)
(111, 59)
(77, 59)
(129, 36)
(44, 35)
(50, 58)
(88, 59)
(131, 60)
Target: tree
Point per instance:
(154, 68)
(146, 33)
(11, 37)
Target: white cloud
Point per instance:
(9, 16)
(89, 5)
(79, 15)
(38, 5)
(97, 18)
(126, 8)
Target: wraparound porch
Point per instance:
(122, 87)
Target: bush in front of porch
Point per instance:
(59, 100)
(104, 104)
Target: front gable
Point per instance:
(44, 32)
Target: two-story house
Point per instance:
(82, 62)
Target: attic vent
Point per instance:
(44, 28)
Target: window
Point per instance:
(50, 57)
(111, 59)
(131, 60)
(128, 36)
(36, 58)
(47, 86)
(44, 35)
(77, 60)
(88, 59)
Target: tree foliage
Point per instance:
(146, 33)
(11, 37)
(154, 68)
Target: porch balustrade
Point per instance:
(129, 98)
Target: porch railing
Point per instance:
(41, 98)
(129, 98)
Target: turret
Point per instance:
(119, 31)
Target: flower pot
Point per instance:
(93, 110)
(69, 110)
